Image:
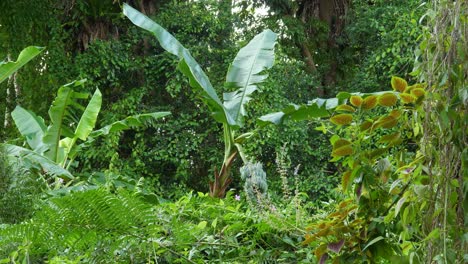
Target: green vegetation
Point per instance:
(244, 74)
(54, 147)
(343, 134)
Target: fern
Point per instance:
(19, 189)
(95, 224)
(98, 226)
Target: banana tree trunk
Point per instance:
(222, 178)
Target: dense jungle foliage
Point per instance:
(208, 131)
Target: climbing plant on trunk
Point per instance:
(442, 64)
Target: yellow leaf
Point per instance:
(418, 92)
(377, 152)
(345, 180)
(341, 119)
(387, 99)
(387, 122)
(407, 98)
(342, 151)
(390, 138)
(369, 102)
(418, 85)
(345, 203)
(322, 232)
(340, 142)
(365, 125)
(322, 249)
(345, 108)
(408, 90)
(399, 84)
(308, 239)
(395, 113)
(356, 100)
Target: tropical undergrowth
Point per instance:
(122, 226)
(18, 191)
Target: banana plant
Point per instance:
(55, 147)
(10, 67)
(244, 75)
(316, 108)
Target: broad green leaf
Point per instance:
(433, 234)
(243, 137)
(8, 68)
(246, 71)
(125, 124)
(47, 165)
(375, 240)
(316, 108)
(30, 126)
(313, 110)
(406, 246)
(202, 224)
(214, 223)
(399, 205)
(187, 65)
(66, 145)
(273, 118)
(89, 117)
(394, 184)
(343, 95)
(128, 123)
(57, 112)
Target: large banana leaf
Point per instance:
(30, 126)
(315, 109)
(246, 71)
(128, 123)
(58, 112)
(188, 65)
(125, 124)
(31, 158)
(85, 126)
(8, 68)
(89, 117)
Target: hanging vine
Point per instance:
(442, 64)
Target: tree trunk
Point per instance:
(309, 60)
(332, 12)
(8, 100)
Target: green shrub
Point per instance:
(123, 227)
(20, 191)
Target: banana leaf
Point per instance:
(30, 125)
(26, 156)
(315, 109)
(128, 123)
(8, 68)
(125, 124)
(246, 71)
(89, 116)
(58, 111)
(187, 64)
